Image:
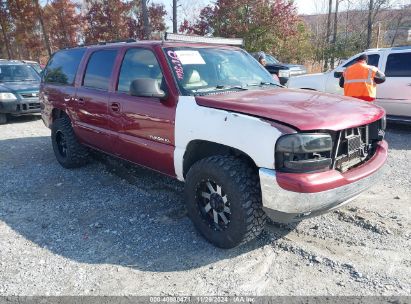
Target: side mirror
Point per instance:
(338, 74)
(146, 87)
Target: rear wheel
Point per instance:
(3, 118)
(223, 200)
(68, 151)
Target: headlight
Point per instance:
(284, 73)
(305, 152)
(7, 96)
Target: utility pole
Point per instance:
(369, 25)
(175, 16)
(378, 34)
(146, 25)
(327, 35)
(334, 41)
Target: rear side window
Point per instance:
(99, 68)
(398, 65)
(62, 67)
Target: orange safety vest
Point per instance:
(359, 81)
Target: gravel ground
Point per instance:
(114, 229)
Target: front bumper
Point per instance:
(283, 205)
(20, 107)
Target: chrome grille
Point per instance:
(351, 149)
(29, 94)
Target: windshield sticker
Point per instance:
(178, 67)
(190, 57)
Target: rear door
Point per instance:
(57, 88)
(92, 100)
(395, 93)
(144, 126)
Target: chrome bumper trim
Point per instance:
(278, 199)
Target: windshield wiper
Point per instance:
(265, 83)
(218, 88)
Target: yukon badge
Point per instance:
(160, 139)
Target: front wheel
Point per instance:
(223, 200)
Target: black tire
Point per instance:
(239, 191)
(71, 154)
(3, 118)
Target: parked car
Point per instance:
(295, 69)
(281, 71)
(211, 116)
(394, 95)
(19, 89)
(34, 64)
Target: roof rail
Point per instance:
(405, 47)
(374, 49)
(202, 39)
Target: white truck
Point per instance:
(394, 94)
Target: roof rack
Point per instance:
(129, 40)
(201, 39)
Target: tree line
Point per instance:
(33, 31)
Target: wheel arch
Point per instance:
(58, 113)
(200, 149)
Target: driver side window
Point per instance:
(138, 64)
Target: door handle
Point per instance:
(81, 101)
(67, 99)
(409, 84)
(115, 107)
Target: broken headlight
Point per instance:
(304, 152)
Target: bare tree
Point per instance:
(3, 24)
(374, 7)
(399, 18)
(43, 28)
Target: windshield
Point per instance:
(36, 67)
(201, 71)
(271, 60)
(16, 73)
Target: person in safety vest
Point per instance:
(360, 80)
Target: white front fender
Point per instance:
(253, 136)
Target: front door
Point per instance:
(144, 126)
(92, 101)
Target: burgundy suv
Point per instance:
(210, 115)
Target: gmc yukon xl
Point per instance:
(208, 114)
